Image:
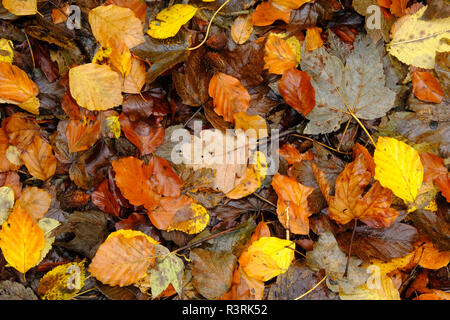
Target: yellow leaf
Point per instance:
(267, 258)
(296, 47)
(394, 264)
(123, 258)
(102, 54)
(169, 21)
(21, 240)
(120, 55)
(31, 105)
(415, 41)
(135, 79)
(195, 224)
(21, 7)
(47, 225)
(398, 167)
(111, 20)
(13, 156)
(6, 203)
(95, 87)
(62, 282)
(113, 125)
(247, 122)
(6, 50)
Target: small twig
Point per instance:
(320, 143)
(235, 13)
(312, 289)
(264, 199)
(193, 116)
(31, 50)
(350, 249)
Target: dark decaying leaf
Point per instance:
(89, 229)
(10, 290)
(212, 272)
(383, 244)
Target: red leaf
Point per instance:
(426, 87)
(296, 89)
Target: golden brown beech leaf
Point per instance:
(95, 87)
(348, 203)
(5, 164)
(279, 56)
(289, 4)
(123, 258)
(20, 129)
(292, 199)
(21, 7)
(313, 40)
(426, 87)
(35, 201)
(291, 154)
(135, 79)
(296, 88)
(111, 20)
(39, 159)
(229, 96)
(21, 240)
(120, 56)
(15, 86)
(265, 14)
(241, 29)
(82, 134)
(244, 121)
(137, 6)
(244, 287)
(144, 184)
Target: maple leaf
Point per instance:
(359, 86)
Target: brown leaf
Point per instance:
(105, 200)
(296, 89)
(82, 134)
(241, 29)
(142, 106)
(212, 272)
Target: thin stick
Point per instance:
(209, 26)
(31, 50)
(350, 249)
(193, 116)
(264, 199)
(320, 143)
(312, 289)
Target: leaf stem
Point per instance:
(350, 249)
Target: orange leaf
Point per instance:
(313, 39)
(168, 208)
(265, 14)
(5, 164)
(12, 180)
(359, 149)
(292, 198)
(288, 5)
(426, 87)
(35, 201)
(322, 181)
(59, 15)
(348, 203)
(15, 84)
(443, 183)
(290, 153)
(296, 89)
(82, 134)
(279, 56)
(123, 258)
(39, 159)
(137, 6)
(241, 29)
(427, 256)
(244, 287)
(385, 3)
(398, 7)
(105, 200)
(20, 129)
(120, 56)
(21, 240)
(229, 96)
(135, 79)
(433, 167)
(145, 137)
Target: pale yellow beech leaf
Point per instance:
(415, 41)
(6, 203)
(398, 167)
(267, 258)
(378, 287)
(169, 21)
(47, 225)
(31, 105)
(13, 155)
(113, 125)
(95, 87)
(296, 47)
(21, 240)
(6, 50)
(62, 282)
(21, 7)
(112, 20)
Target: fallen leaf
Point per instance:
(241, 29)
(229, 96)
(267, 257)
(10, 290)
(426, 87)
(135, 79)
(15, 86)
(21, 7)
(21, 240)
(120, 56)
(39, 159)
(398, 167)
(427, 256)
(111, 20)
(6, 50)
(169, 21)
(266, 13)
(105, 200)
(296, 89)
(35, 201)
(82, 134)
(415, 41)
(279, 56)
(123, 258)
(289, 4)
(6, 203)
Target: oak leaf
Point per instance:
(123, 258)
(21, 240)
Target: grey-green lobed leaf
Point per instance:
(169, 269)
(360, 85)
